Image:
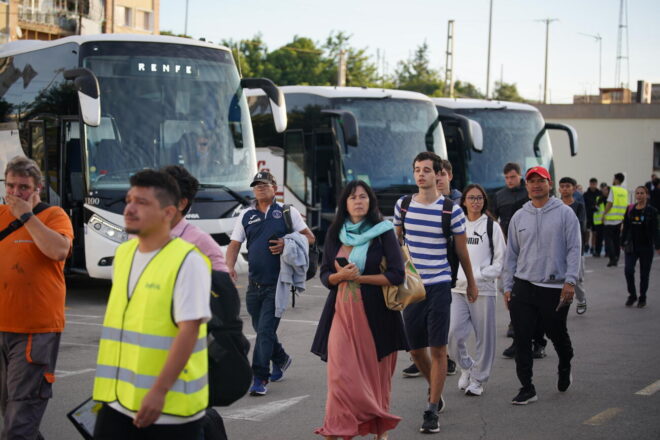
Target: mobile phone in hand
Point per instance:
(342, 261)
(272, 238)
(561, 304)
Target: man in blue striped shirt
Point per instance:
(427, 322)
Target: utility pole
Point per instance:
(490, 31)
(449, 60)
(185, 27)
(599, 40)
(341, 69)
(547, 22)
(623, 25)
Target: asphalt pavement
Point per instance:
(615, 392)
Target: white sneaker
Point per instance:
(474, 389)
(464, 380)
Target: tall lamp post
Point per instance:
(599, 40)
(547, 22)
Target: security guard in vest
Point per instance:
(615, 210)
(598, 237)
(263, 226)
(152, 368)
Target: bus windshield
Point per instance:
(508, 137)
(391, 133)
(165, 104)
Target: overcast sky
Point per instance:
(397, 28)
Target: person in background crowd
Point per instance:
(599, 227)
(36, 242)
(154, 325)
(578, 194)
(541, 289)
(427, 322)
(507, 200)
(655, 195)
(639, 236)
(486, 256)
(357, 334)
(590, 196)
(650, 185)
(615, 210)
(566, 189)
(262, 224)
(443, 184)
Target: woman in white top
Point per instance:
(487, 258)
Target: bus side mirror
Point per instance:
(275, 97)
(89, 97)
(476, 134)
(570, 131)
(348, 123)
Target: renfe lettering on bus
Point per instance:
(165, 68)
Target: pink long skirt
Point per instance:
(359, 386)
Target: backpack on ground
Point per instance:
(447, 207)
(313, 249)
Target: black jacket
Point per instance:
(386, 325)
(650, 224)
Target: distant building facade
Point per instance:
(53, 19)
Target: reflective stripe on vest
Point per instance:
(619, 205)
(598, 215)
(138, 333)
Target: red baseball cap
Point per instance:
(538, 170)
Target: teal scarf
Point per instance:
(359, 235)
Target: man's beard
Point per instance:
(133, 231)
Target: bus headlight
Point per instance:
(107, 229)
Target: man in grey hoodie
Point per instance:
(540, 271)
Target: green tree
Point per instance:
(299, 62)
(416, 74)
(251, 55)
(507, 92)
(467, 90)
(360, 69)
(172, 34)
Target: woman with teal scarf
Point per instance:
(358, 335)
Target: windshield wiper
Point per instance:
(239, 198)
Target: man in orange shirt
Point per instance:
(32, 290)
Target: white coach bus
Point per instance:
(339, 134)
(93, 110)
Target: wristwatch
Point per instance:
(25, 217)
(570, 283)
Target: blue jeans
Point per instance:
(260, 301)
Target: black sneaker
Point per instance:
(564, 379)
(538, 352)
(411, 371)
(641, 303)
(430, 424)
(510, 352)
(451, 367)
(525, 396)
(631, 300)
(509, 331)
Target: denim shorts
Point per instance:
(427, 322)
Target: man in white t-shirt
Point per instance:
(160, 275)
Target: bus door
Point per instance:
(43, 147)
(326, 171)
(73, 185)
(297, 179)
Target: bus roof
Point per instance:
(467, 103)
(22, 46)
(347, 92)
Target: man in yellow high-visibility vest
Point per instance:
(152, 368)
(615, 210)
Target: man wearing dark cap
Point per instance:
(540, 271)
(263, 226)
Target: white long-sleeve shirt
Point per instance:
(485, 273)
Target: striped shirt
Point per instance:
(425, 240)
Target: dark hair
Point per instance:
(428, 155)
(373, 215)
(512, 166)
(568, 180)
(188, 184)
(593, 180)
(620, 177)
(165, 187)
(648, 193)
(483, 193)
(446, 165)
